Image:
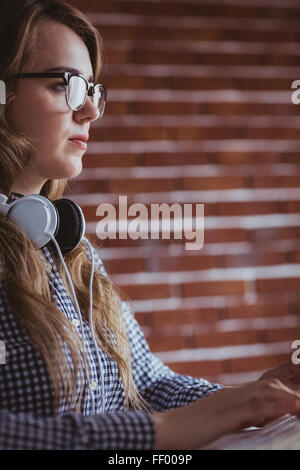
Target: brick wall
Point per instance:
(200, 111)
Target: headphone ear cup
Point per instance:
(71, 226)
(37, 217)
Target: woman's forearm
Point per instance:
(224, 411)
(194, 425)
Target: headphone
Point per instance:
(61, 222)
(42, 219)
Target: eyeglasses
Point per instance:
(77, 89)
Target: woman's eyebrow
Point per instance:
(66, 69)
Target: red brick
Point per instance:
(274, 83)
(164, 159)
(209, 183)
(291, 206)
(247, 208)
(269, 133)
(195, 289)
(186, 9)
(89, 212)
(142, 318)
(295, 304)
(143, 52)
(224, 108)
(118, 108)
(257, 310)
(296, 258)
(109, 160)
(183, 316)
(278, 285)
(197, 368)
(128, 133)
(134, 82)
(169, 343)
(153, 291)
(227, 338)
(280, 233)
(201, 83)
(123, 31)
(288, 157)
(117, 56)
(90, 186)
(254, 259)
(276, 181)
(164, 107)
(123, 265)
(225, 235)
(236, 365)
(204, 133)
(182, 263)
(246, 364)
(283, 334)
(131, 185)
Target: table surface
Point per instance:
(281, 434)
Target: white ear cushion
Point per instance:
(37, 216)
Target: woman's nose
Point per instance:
(88, 112)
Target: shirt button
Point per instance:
(93, 385)
(75, 322)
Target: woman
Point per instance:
(61, 387)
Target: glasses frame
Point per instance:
(66, 76)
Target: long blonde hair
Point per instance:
(25, 276)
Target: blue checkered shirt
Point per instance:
(26, 394)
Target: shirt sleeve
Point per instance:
(122, 430)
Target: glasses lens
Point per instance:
(99, 98)
(76, 92)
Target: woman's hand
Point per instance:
(288, 373)
(226, 410)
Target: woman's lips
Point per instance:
(79, 143)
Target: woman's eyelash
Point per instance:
(59, 85)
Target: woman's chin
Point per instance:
(72, 170)
(64, 175)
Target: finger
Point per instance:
(278, 385)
